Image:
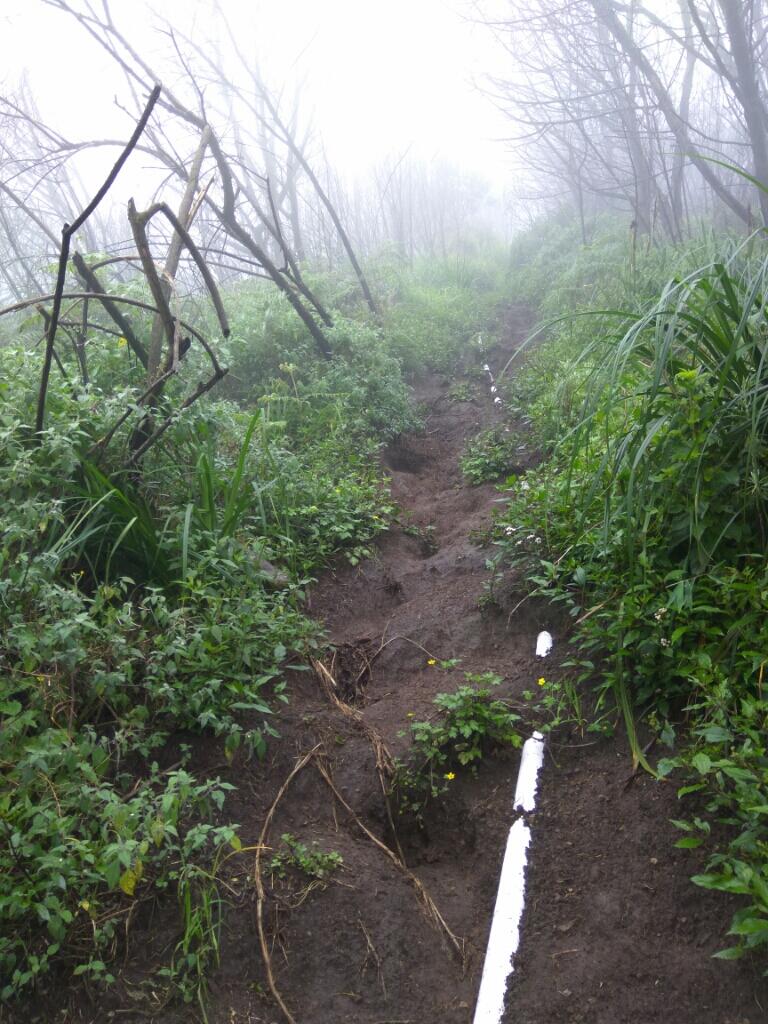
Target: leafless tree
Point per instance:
(252, 157)
(620, 101)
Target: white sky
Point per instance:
(381, 75)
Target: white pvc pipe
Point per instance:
(544, 644)
(504, 938)
(531, 761)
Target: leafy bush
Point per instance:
(728, 766)
(81, 847)
(135, 606)
(470, 724)
(489, 455)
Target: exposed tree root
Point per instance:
(385, 765)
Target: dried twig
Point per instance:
(372, 954)
(399, 636)
(260, 894)
(430, 907)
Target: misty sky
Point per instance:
(381, 76)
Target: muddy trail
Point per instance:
(369, 947)
(613, 932)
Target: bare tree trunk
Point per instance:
(174, 255)
(294, 213)
(290, 141)
(606, 13)
(749, 89)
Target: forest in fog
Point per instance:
(383, 389)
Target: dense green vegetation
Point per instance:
(140, 607)
(647, 519)
(137, 606)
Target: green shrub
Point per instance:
(469, 725)
(489, 455)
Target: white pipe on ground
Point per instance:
(544, 644)
(504, 938)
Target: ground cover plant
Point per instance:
(649, 526)
(467, 725)
(490, 455)
(137, 606)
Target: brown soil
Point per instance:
(614, 931)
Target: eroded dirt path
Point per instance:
(614, 932)
(363, 950)
(420, 597)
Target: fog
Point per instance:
(376, 79)
(428, 128)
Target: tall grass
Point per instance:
(652, 523)
(679, 405)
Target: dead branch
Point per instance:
(66, 235)
(194, 252)
(17, 307)
(92, 283)
(199, 391)
(185, 216)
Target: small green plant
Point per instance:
(490, 455)
(469, 725)
(461, 391)
(197, 952)
(314, 864)
(558, 702)
(424, 534)
(728, 766)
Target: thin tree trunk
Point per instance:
(751, 100)
(679, 129)
(174, 255)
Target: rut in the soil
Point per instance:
(419, 598)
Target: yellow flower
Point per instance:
(122, 342)
(541, 681)
(431, 661)
(450, 776)
(410, 714)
